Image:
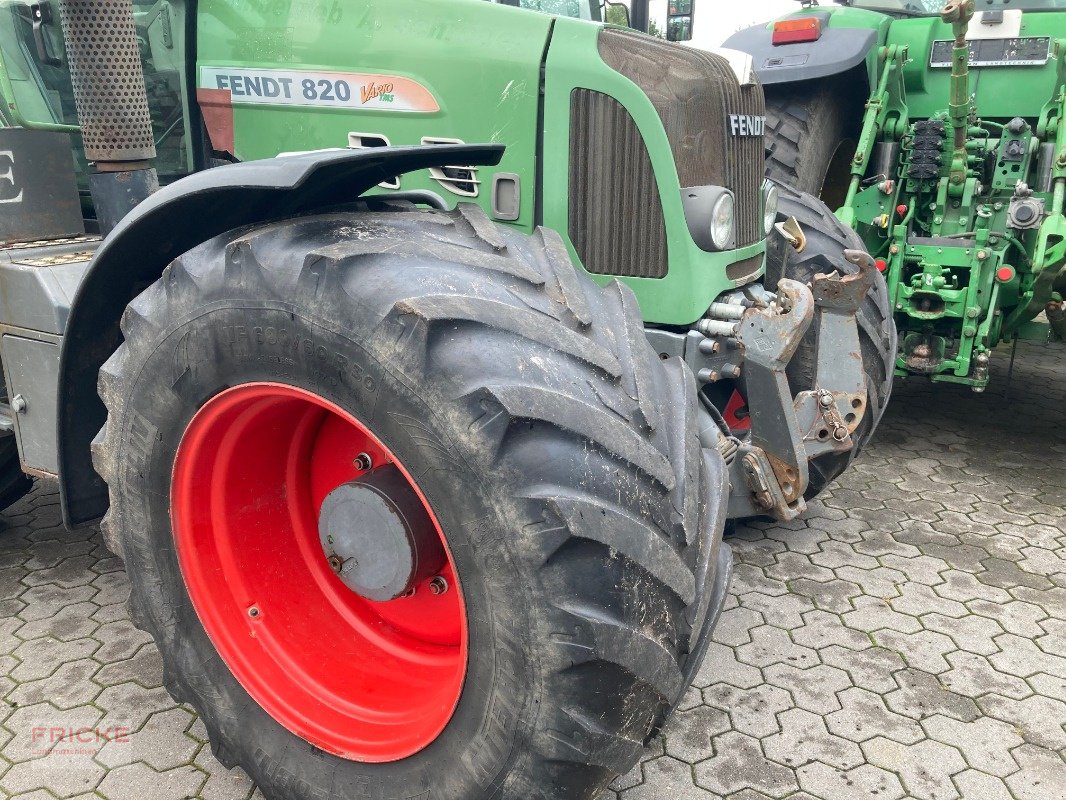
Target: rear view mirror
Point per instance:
(679, 20)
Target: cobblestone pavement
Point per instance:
(907, 638)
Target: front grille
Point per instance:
(694, 93)
(616, 217)
(745, 268)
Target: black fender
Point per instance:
(837, 51)
(176, 219)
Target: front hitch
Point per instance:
(770, 471)
(747, 340)
(769, 339)
(832, 411)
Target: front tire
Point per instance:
(556, 451)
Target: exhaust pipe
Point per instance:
(112, 104)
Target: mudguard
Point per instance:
(174, 220)
(838, 50)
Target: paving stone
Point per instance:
(805, 738)
(785, 611)
(863, 715)
(770, 645)
(1021, 657)
(925, 768)
(667, 776)
(721, 666)
(1042, 774)
(1048, 686)
(42, 657)
(1039, 720)
(973, 676)
(871, 668)
(986, 742)
(822, 630)
(32, 731)
(814, 689)
(865, 781)
(1016, 617)
(875, 614)
(921, 695)
(140, 780)
(924, 650)
(161, 743)
(972, 633)
(974, 785)
(689, 734)
(68, 770)
(735, 625)
(962, 586)
(835, 595)
(73, 621)
(752, 711)
(918, 600)
(738, 763)
(71, 685)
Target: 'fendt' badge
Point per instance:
(746, 125)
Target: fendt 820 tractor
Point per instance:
(414, 497)
(939, 134)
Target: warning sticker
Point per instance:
(282, 87)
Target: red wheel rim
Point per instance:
(368, 681)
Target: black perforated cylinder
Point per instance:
(105, 70)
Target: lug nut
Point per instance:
(364, 462)
(439, 585)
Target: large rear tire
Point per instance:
(811, 132)
(827, 239)
(555, 453)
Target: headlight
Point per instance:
(769, 206)
(722, 221)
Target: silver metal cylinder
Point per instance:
(726, 311)
(885, 158)
(1045, 167)
(109, 89)
(717, 327)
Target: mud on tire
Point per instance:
(555, 448)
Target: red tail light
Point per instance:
(791, 31)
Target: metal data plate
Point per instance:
(1025, 51)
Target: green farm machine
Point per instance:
(414, 355)
(938, 132)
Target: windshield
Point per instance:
(932, 8)
(579, 9)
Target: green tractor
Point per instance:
(938, 132)
(415, 497)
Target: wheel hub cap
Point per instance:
(377, 536)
